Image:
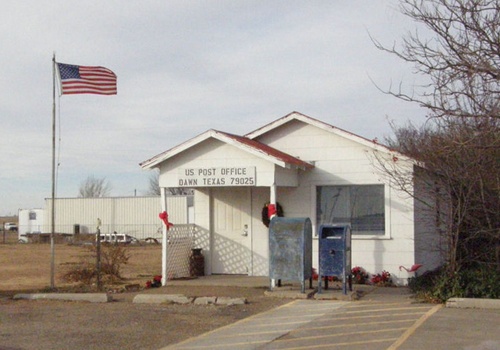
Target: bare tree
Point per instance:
(462, 59)
(154, 183)
(461, 182)
(460, 145)
(154, 187)
(94, 187)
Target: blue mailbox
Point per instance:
(335, 254)
(290, 249)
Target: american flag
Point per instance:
(86, 80)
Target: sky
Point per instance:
(184, 67)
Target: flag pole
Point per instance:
(52, 224)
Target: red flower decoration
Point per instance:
(157, 278)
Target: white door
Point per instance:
(231, 237)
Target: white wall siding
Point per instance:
(341, 161)
(260, 233)
(136, 216)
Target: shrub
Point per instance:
(382, 279)
(359, 275)
(113, 256)
(472, 282)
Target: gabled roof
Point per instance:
(317, 123)
(246, 144)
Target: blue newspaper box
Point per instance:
(335, 254)
(290, 249)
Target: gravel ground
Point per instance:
(44, 324)
(120, 324)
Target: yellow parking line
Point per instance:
(260, 325)
(312, 329)
(413, 328)
(364, 304)
(368, 316)
(294, 316)
(331, 346)
(219, 346)
(377, 331)
(354, 325)
(383, 310)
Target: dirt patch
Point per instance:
(116, 325)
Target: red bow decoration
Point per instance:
(271, 210)
(164, 217)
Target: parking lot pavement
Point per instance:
(457, 329)
(385, 318)
(320, 324)
(257, 331)
(357, 325)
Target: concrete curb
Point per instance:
(89, 297)
(470, 303)
(205, 300)
(289, 293)
(230, 301)
(161, 298)
(181, 299)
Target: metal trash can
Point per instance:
(196, 263)
(335, 254)
(290, 250)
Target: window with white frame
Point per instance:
(362, 206)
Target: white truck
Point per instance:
(10, 226)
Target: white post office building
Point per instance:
(311, 169)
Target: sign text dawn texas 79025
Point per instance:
(207, 177)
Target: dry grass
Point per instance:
(27, 267)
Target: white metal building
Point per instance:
(30, 221)
(134, 216)
(312, 169)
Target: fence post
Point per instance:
(98, 253)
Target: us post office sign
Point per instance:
(217, 177)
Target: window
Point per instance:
(32, 215)
(362, 206)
